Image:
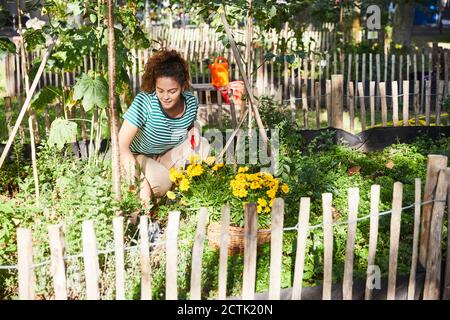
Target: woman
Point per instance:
(158, 131)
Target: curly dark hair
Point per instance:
(165, 63)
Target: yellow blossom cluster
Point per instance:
(244, 183)
(183, 177)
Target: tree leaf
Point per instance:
(45, 96)
(62, 132)
(6, 46)
(92, 90)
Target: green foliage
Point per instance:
(45, 97)
(92, 89)
(6, 46)
(61, 132)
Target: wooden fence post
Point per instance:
(394, 239)
(353, 202)
(373, 237)
(58, 268)
(302, 235)
(276, 249)
(119, 258)
(362, 105)
(25, 263)
(405, 103)
(394, 92)
(327, 244)
(434, 165)
(197, 255)
(172, 255)
(417, 207)
(337, 81)
(250, 246)
(382, 91)
(91, 266)
(146, 287)
(446, 295)
(223, 259)
(433, 270)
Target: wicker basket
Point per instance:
(236, 237)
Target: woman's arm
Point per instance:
(126, 135)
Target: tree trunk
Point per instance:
(112, 104)
(403, 22)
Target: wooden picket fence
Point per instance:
(428, 222)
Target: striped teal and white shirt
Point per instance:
(157, 131)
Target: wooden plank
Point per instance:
(427, 102)
(119, 257)
(362, 105)
(416, 102)
(394, 91)
(223, 259)
(337, 82)
(370, 66)
(393, 67)
(383, 103)
(434, 164)
(405, 103)
(197, 255)
(172, 255)
(400, 75)
(446, 293)
(91, 266)
(394, 239)
(439, 97)
(353, 202)
(377, 57)
(356, 79)
(24, 264)
(328, 100)
(327, 245)
(305, 104)
(317, 101)
(408, 66)
(276, 249)
(386, 63)
(302, 235)
(372, 103)
(57, 267)
(415, 249)
(146, 287)
(351, 105)
(434, 259)
(373, 239)
(250, 246)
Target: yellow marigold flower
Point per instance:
(255, 185)
(262, 202)
(217, 166)
(210, 160)
(267, 210)
(194, 170)
(240, 193)
(271, 193)
(171, 195)
(174, 174)
(184, 184)
(243, 169)
(259, 209)
(285, 188)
